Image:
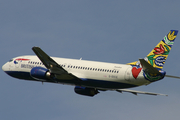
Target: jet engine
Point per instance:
(85, 91)
(40, 73)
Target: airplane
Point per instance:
(90, 77)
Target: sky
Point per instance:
(109, 31)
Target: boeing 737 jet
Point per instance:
(90, 77)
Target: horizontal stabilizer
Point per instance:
(148, 68)
(135, 92)
(150, 73)
(172, 76)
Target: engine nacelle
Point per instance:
(85, 91)
(40, 73)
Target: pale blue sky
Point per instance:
(110, 31)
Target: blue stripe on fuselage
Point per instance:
(85, 82)
(20, 75)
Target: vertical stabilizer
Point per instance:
(159, 54)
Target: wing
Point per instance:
(172, 76)
(138, 92)
(54, 68)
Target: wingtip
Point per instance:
(164, 95)
(35, 47)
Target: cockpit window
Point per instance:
(11, 60)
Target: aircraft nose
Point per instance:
(5, 67)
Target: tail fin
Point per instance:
(159, 54)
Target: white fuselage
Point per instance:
(106, 73)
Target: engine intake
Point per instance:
(40, 73)
(85, 91)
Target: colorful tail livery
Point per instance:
(159, 54)
(156, 58)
